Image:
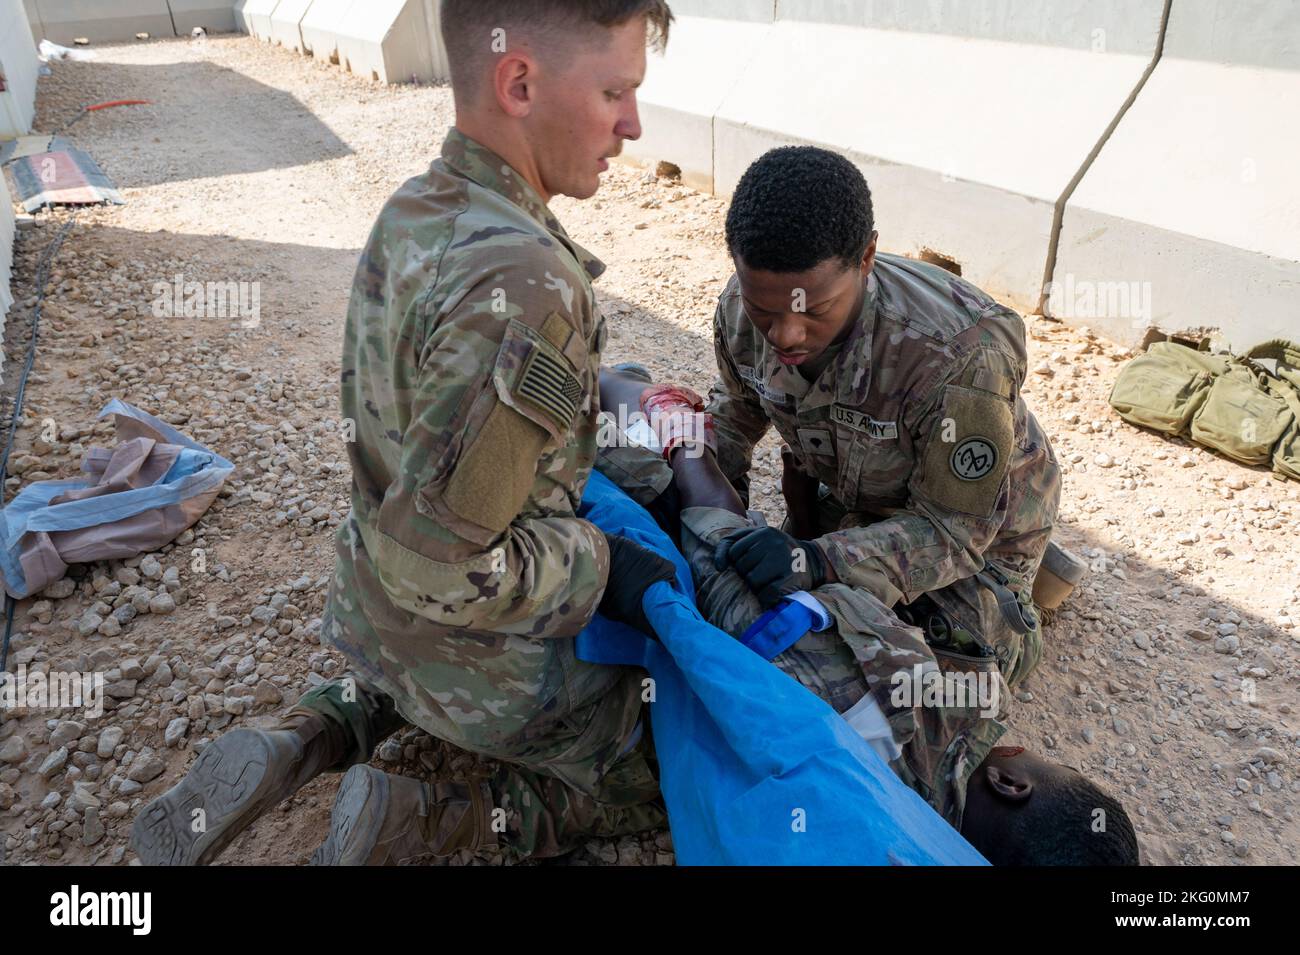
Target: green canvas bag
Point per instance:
(1282, 359)
(1241, 416)
(1164, 387)
(1286, 456)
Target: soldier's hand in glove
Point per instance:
(772, 562)
(632, 569)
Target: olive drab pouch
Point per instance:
(1165, 387)
(1286, 456)
(1281, 361)
(1241, 417)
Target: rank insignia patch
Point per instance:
(816, 441)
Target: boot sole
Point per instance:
(226, 783)
(356, 820)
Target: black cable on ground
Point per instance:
(42, 279)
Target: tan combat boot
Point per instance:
(237, 778)
(380, 819)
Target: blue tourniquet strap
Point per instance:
(778, 629)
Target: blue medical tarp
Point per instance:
(754, 768)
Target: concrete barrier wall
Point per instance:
(18, 71)
(115, 21)
(967, 135)
(1040, 145)
(286, 24)
(1115, 26)
(746, 11)
(685, 88)
(390, 41)
(103, 21)
(319, 27)
(1189, 219)
(214, 16)
(1142, 172)
(257, 15)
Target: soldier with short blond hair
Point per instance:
(463, 574)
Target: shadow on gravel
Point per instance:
(269, 128)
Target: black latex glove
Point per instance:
(632, 569)
(766, 558)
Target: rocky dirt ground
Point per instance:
(255, 165)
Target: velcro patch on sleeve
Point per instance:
(557, 330)
(548, 385)
(968, 452)
(496, 472)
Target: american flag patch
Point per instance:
(549, 385)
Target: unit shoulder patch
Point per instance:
(968, 452)
(974, 458)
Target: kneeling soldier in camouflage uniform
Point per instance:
(920, 490)
(470, 366)
(916, 478)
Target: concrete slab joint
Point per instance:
(1188, 220)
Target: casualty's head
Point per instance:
(1023, 810)
(801, 234)
(551, 86)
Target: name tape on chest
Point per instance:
(764, 390)
(858, 421)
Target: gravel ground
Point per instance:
(255, 165)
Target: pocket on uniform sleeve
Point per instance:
(535, 396)
(968, 452)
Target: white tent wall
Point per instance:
(18, 73)
(19, 69)
(6, 258)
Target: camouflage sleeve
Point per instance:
(492, 395)
(964, 435)
(739, 420)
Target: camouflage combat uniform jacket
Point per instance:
(917, 428)
(470, 369)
